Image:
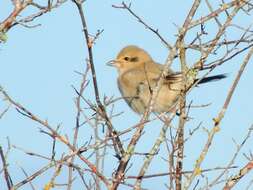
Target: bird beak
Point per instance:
(111, 63)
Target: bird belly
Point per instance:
(166, 98)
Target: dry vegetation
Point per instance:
(86, 162)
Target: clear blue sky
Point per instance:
(37, 69)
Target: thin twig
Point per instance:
(173, 173)
(155, 31)
(7, 176)
(217, 121)
(22, 110)
(101, 109)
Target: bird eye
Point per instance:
(126, 58)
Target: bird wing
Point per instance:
(154, 73)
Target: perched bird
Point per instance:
(138, 76)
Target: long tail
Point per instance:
(212, 78)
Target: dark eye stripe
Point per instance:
(134, 59)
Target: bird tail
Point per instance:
(211, 78)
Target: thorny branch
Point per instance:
(178, 177)
(217, 121)
(101, 109)
(19, 6)
(54, 134)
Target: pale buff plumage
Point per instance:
(138, 75)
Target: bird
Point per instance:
(138, 75)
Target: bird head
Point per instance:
(130, 57)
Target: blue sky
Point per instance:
(38, 68)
